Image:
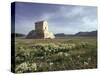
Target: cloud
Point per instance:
(65, 18)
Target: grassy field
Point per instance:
(37, 55)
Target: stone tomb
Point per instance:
(41, 31)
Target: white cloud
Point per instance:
(66, 19)
(89, 24)
(70, 12)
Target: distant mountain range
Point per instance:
(60, 35)
(92, 33)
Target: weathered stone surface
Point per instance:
(41, 31)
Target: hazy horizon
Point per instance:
(68, 19)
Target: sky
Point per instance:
(68, 19)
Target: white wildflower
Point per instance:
(34, 66)
(60, 53)
(85, 63)
(89, 59)
(78, 56)
(66, 54)
(51, 63)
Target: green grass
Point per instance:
(37, 55)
